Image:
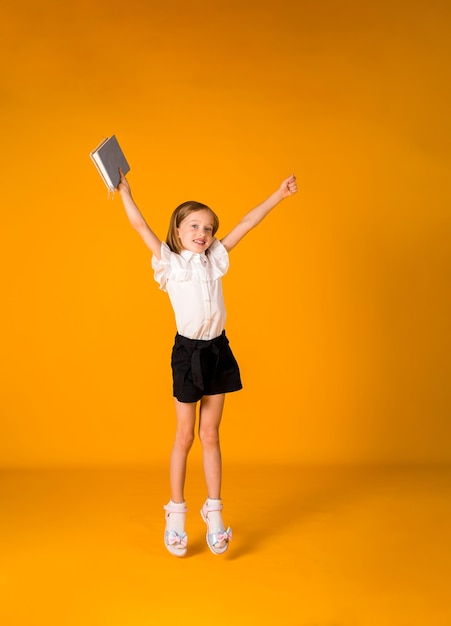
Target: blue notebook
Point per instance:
(108, 158)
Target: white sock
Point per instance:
(214, 517)
(176, 519)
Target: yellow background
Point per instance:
(339, 304)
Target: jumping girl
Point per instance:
(189, 267)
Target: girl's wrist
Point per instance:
(125, 192)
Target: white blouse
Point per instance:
(193, 282)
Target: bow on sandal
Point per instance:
(174, 539)
(225, 536)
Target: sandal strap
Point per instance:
(209, 508)
(170, 508)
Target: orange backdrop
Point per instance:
(339, 304)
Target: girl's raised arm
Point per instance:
(136, 219)
(256, 215)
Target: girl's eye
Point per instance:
(209, 229)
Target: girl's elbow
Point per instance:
(138, 224)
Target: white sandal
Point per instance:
(218, 542)
(175, 542)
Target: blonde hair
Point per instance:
(177, 217)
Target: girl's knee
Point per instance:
(209, 436)
(184, 439)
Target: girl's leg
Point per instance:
(175, 538)
(184, 437)
(209, 420)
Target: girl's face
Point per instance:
(196, 231)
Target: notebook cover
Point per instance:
(108, 157)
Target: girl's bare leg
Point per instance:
(209, 420)
(175, 538)
(184, 437)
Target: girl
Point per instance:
(189, 266)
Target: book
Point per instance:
(108, 158)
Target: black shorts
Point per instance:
(203, 368)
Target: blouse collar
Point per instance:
(188, 256)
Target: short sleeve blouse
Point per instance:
(193, 282)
